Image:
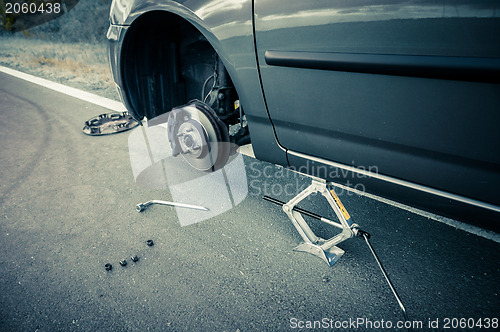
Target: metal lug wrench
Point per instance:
(142, 206)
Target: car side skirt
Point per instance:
(459, 207)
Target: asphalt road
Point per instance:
(68, 207)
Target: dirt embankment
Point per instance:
(80, 65)
(70, 50)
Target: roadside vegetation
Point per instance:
(70, 49)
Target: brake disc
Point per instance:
(195, 132)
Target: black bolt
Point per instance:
(150, 243)
(123, 262)
(108, 267)
(134, 258)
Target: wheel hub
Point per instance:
(195, 132)
(192, 138)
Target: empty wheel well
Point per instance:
(165, 61)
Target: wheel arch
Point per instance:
(230, 35)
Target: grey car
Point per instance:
(396, 97)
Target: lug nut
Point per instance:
(134, 258)
(108, 267)
(150, 243)
(123, 262)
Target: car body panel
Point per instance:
(414, 98)
(437, 131)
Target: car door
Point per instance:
(409, 89)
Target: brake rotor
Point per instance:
(195, 132)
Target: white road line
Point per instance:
(490, 235)
(118, 107)
(79, 94)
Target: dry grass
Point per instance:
(81, 65)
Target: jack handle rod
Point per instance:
(307, 213)
(366, 236)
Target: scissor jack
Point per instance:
(327, 250)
